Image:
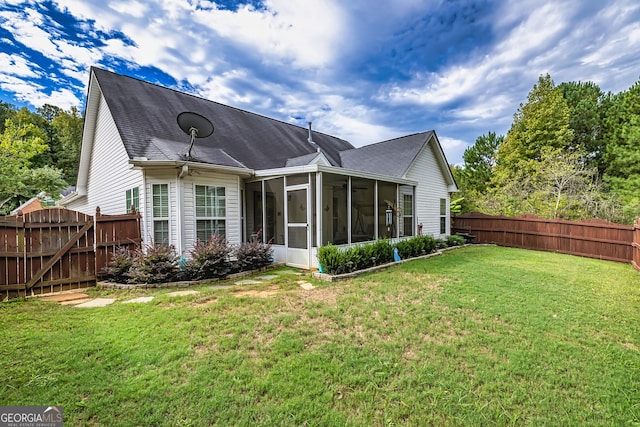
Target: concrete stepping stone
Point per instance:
(182, 293)
(248, 282)
(98, 302)
(267, 277)
(72, 298)
(306, 285)
(138, 300)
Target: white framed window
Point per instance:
(407, 214)
(160, 194)
(132, 200)
(211, 212)
(443, 216)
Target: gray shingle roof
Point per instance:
(391, 158)
(145, 115)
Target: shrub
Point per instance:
(455, 240)
(332, 259)
(209, 260)
(120, 264)
(441, 244)
(406, 248)
(154, 263)
(382, 251)
(253, 254)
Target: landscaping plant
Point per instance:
(253, 254)
(209, 259)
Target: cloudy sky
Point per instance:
(362, 70)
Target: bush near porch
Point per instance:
(336, 260)
(157, 263)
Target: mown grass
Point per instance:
(478, 336)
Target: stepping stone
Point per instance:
(98, 302)
(267, 277)
(138, 300)
(306, 285)
(248, 282)
(182, 293)
(67, 298)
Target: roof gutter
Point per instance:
(159, 164)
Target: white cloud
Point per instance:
(16, 65)
(34, 94)
(131, 7)
(306, 33)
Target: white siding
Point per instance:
(110, 174)
(182, 222)
(430, 189)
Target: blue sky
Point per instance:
(362, 70)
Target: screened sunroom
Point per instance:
(314, 205)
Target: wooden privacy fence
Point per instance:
(57, 249)
(591, 238)
(636, 244)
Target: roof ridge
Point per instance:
(389, 140)
(216, 102)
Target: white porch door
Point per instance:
(298, 237)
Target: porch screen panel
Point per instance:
(362, 209)
(274, 211)
(253, 194)
(334, 209)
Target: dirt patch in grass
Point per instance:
(258, 293)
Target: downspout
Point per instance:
(179, 208)
(144, 216)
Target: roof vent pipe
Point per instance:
(310, 139)
(310, 135)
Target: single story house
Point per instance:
(252, 177)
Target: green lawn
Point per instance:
(478, 336)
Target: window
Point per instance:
(407, 214)
(210, 212)
(443, 216)
(160, 194)
(132, 199)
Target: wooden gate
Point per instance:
(54, 249)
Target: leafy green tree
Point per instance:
(541, 123)
(584, 100)
(564, 187)
(475, 175)
(479, 161)
(67, 131)
(621, 134)
(19, 178)
(7, 111)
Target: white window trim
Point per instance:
(208, 218)
(155, 219)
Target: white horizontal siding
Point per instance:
(430, 189)
(110, 174)
(231, 184)
(182, 218)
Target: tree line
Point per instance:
(572, 152)
(39, 152)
